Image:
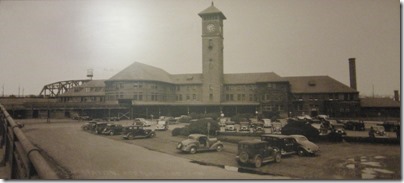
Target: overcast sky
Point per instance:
(46, 41)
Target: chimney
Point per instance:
(396, 96)
(352, 73)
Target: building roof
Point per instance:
(317, 84)
(379, 102)
(80, 91)
(212, 10)
(247, 78)
(187, 78)
(140, 71)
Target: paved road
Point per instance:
(89, 156)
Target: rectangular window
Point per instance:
(193, 96)
(188, 97)
(238, 97)
(140, 96)
(211, 96)
(251, 97)
(243, 97)
(231, 97)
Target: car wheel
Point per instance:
(111, 133)
(278, 157)
(96, 132)
(192, 150)
(152, 135)
(301, 152)
(243, 157)
(219, 148)
(131, 136)
(258, 161)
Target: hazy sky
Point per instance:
(45, 41)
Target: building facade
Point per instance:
(150, 89)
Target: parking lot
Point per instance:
(335, 161)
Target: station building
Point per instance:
(146, 89)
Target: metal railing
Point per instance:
(21, 157)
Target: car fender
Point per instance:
(216, 144)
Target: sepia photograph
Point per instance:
(283, 90)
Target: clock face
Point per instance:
(211, 27)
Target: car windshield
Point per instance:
(301, 139)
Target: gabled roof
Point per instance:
(80, 91)
(247, 78)
(379, 102)
(212, 10)
(317, 84)
(187, 78)
(140, 71)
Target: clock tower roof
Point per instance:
(212, 10)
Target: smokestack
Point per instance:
(396, 96)
(352, 73)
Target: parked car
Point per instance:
(112, 129)
(354, 125)
(256, 152)
(82, 118)
(257, 127)
(199, 142)
(230, 126)
(379, 130)
(113, 119)
(244, 126)
(267, 123)
(285, 143)
(142, 122)
(340, 131)
(99, 127)
(305, 147)
(162, 125)
(131, 132)
(88, 125)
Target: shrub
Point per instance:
(201, 126)
(241, 117)
(300, 127)
(176, 131)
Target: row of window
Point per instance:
(332, 96)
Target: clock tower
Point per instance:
(212, 54)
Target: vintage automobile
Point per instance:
(257, 127)
(244, 126)
(267, 123)
(378, 130)
(199, 142)
(112, 129)
(162, 125)
(305, 147)
(256, 152)
(99, 127)
(142, 121)
(82, 118)
(285, 143)
(137, 131)
(354, 125)
(230, 126)
(88, 126)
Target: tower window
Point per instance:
(210, 44)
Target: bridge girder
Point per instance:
(57, 88)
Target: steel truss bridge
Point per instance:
(58, 88)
